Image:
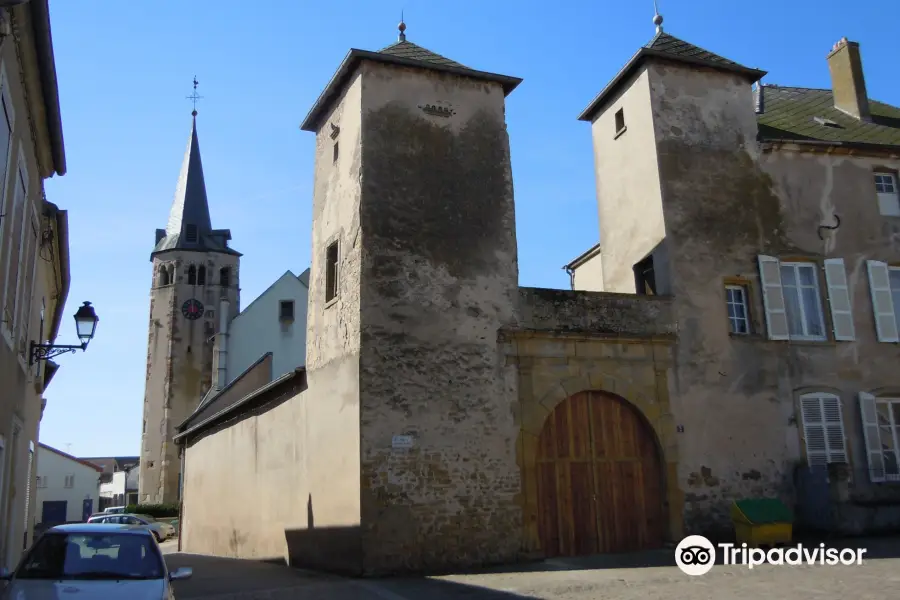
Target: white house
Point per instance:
(275, 322)
(68, 488)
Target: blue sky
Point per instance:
(125, 68)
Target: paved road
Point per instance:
(635, 577)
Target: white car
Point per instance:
(95, 561)
(161, 531)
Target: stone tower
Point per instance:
(414, 271)
(193, 269)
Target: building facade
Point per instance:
(194, 270)
(68, 488)
(275, 322)
(418, 431)
(769, 215)
(34, 256)
(733, 336)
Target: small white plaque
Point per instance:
(402, 441)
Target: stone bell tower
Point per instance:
(193, 268)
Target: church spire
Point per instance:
(189, 217)
(189, 226)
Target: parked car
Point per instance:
(161, 531)
(95, 561)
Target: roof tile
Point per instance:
(411, 51)
(788, 113)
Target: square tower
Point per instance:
(414, 271)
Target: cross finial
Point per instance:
(194, 97)
(402, 28)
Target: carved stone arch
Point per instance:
(647, 399)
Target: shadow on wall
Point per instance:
(333, 549)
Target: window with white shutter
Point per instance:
(839, 300)
(792, 300)
(882, 301)
(881, 432)
(823, 429)
(773, 300)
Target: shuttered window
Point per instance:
(881, 432)
(883, 300)
(792, 300)
(823, 429)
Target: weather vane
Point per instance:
(194, 97)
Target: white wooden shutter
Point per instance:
(814, 430)
(839, 300)
(836, 447)
(773, 299)
(882, 303)
(869, 414)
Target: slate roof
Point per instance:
(190, 209)
(412, 51)
(789, 113)
(667, 47)
(403, 53)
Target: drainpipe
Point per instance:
(222, 347)
(571, 273)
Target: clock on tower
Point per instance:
(192, 309)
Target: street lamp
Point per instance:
(85, 326)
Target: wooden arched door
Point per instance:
(599, 479)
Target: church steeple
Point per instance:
(189, 217)
(189, 226)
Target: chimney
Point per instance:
(220, 349)
(847, 82)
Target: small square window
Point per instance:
(620, 120)
(888, 196)
(331, 272)
(286, 310)
(738, 309)
(335, 152)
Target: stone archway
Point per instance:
(600, 483)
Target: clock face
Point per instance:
(192, 309)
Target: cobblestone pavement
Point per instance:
(634, 577)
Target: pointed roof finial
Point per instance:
(657, 18)
(402, 28)
(194, 97)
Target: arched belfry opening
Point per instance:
(192, 275)
(201, 275)
(162, 277)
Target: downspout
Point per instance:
(181, 452)
(221, 374)
(571, 273)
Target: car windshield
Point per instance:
(92, 556)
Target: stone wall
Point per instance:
(439, 278)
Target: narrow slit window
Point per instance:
(201, 275)
(225, 277)
(334, 153)
(620, 120)
(331, 272)
(192, 275)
